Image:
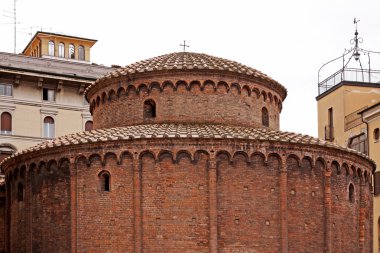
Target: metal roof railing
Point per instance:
(350, 75)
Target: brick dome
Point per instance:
(187, 156)
(190, 61)
(185, 88)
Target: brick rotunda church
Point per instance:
(186, 156)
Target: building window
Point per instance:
(376, 134)
(149, 109)
(61, 50)
(71, 51)
(351, 193)
(359, 143)
(51, 48)
(6, 123)
(329, 129)
(81, 53)
(88, 126)
(6, 89)
(20, 192)
(48, 94)
(105, 181)
(49, 128)
(265, 117)
(376, 181)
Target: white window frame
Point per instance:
(6, 90)
(51, 48)
(61, 50)
(81, 57)
(71, 51)
(48, 113)
(51, 94)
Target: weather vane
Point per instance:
(355, 41)
(184, 45)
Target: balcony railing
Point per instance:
(349, 74)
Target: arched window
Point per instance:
(49, 128)
(265, 117)
(81, 53)
(51, 48)
(6, 123)
(376, 134)
(351, 193)
(61, 50)
(105, 181)
(149, 109)
(88, 126)
(20, 192)
(71, 51)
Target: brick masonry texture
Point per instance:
(186, 98)
(2, 220)
(203, 175)
(160, 198)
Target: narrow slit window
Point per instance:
(149, 109)
(351, 193)
(105, 181)
(265, 117)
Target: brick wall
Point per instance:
(268, 199)
(105, 218)
(200, 101)
(175, 204)
(248, 205)
(2, 219)
(305, 196)
(49, 197)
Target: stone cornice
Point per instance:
(11, 100)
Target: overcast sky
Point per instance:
(287, 40)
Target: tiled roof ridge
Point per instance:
(169, 131)
(185, 61)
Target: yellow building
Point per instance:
(41, 90)
(349, 113)
(59, 46)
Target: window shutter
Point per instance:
(377, 182)
(6, 122)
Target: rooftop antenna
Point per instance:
(14, 24)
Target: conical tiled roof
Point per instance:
(188, 61)
(181, 131)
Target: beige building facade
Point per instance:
(41, 95)
(349, 115)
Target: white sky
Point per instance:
(287, 40)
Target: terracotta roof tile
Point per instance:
(185, 60)
(159, 131)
